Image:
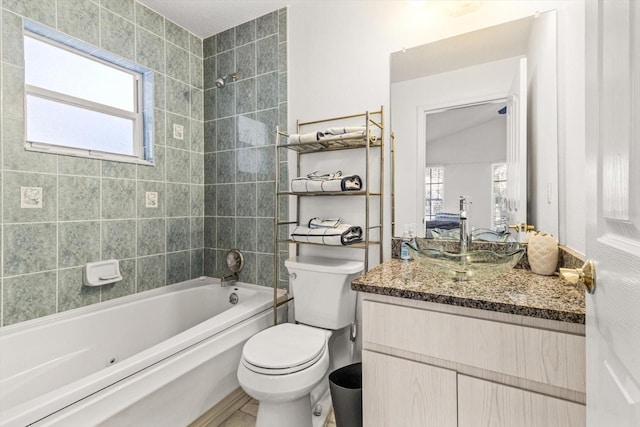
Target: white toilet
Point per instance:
(281, 365)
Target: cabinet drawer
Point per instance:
(483, 403)
(539, 355)
(399, 392)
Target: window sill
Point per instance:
(88, 154)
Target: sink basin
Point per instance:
(474, 265)
(481, 234)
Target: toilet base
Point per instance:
(295, 413)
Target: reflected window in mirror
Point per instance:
(434, 190)
(499, 196)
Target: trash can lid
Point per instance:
(285, 347)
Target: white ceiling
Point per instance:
(205, 18)
(488, 44)
(451, 121)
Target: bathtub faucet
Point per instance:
(228, 280)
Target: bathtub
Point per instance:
(158, 358)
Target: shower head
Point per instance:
(221, 81)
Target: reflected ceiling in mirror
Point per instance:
(466, 50)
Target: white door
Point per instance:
(613, 212)
(517, 147)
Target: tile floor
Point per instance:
(246, 417)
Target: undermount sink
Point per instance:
(478, 264)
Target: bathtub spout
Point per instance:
(228, 280)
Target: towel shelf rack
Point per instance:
(371, 143)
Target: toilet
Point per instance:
(282, 365)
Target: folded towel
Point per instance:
(328, 134)
(315, 182)
(349, 129)
(343, 234)
(318, 175)
(324, 222)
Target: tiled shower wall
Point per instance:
(240, 162)
(95, 209)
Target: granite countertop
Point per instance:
(518, 292)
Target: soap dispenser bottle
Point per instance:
(407, 237)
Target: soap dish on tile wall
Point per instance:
(101, 273)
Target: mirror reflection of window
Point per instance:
(434, 190)
(499, 196)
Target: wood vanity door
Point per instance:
(483, 403)
(613, 212)
(401, 393)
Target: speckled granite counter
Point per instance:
(517, 292)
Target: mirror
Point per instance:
(462, 142)
(440, 149)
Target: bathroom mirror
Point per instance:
(465, 147)
(453, 137)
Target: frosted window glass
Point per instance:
(65, 125)
(57, 69)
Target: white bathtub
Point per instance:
(157, 358)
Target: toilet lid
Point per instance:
(285, 347)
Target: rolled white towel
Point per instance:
(343, 234)
(305, 137)
(338, 137)
(345, 130)
(328, 134)
(315, 182)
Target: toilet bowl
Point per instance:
(281, 365)
(281, 375)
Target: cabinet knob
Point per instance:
(586, 276)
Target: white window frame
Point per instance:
(428, 217)
(142, 126)
(494, 225)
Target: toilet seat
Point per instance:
(284, 349)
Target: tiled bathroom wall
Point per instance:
(215, 186)
(94, 209)
(240, 162)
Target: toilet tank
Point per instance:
(321, 288)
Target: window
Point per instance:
(434, 190)
(84, 102)
(499, 195)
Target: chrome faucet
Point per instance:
(228, 280)
(465, 236)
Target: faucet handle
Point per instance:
(522, 227)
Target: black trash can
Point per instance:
(346, 393)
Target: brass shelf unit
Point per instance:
(373, 139)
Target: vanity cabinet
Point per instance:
(406, 393)
(434, 364)
(485, 403)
